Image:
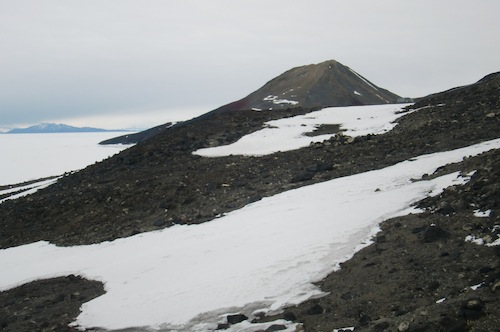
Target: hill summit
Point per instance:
(328, 83)
(325, 84)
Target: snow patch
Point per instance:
(473, 239)
(247, 326)
(364, 79)
(289, 133)
(475, 287)
(428, 106)
(381, 98)
(26, 190)
(487, 240)
(277, 101)
(482, 214)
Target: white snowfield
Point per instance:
(259, 258)
(33, 156)
(289, 133)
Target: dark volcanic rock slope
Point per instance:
(392, 285)
(160, 182)
(329, 83)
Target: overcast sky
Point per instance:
(140, 63)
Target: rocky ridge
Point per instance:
(325, 84)
(329, 83)
(392, 285)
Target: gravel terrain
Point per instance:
(392, 285)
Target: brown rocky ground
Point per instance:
(394, 282)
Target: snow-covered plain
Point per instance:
(259, 258)
(289, 133)
(27, 157)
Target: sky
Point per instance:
(139, 63)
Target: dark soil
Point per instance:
(46, 305)
(396, 281)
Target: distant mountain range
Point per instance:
(45, 128)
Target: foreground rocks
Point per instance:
(46, 305)
(420, 274)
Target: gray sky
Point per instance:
(139, 63)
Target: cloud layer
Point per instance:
(65, 60)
